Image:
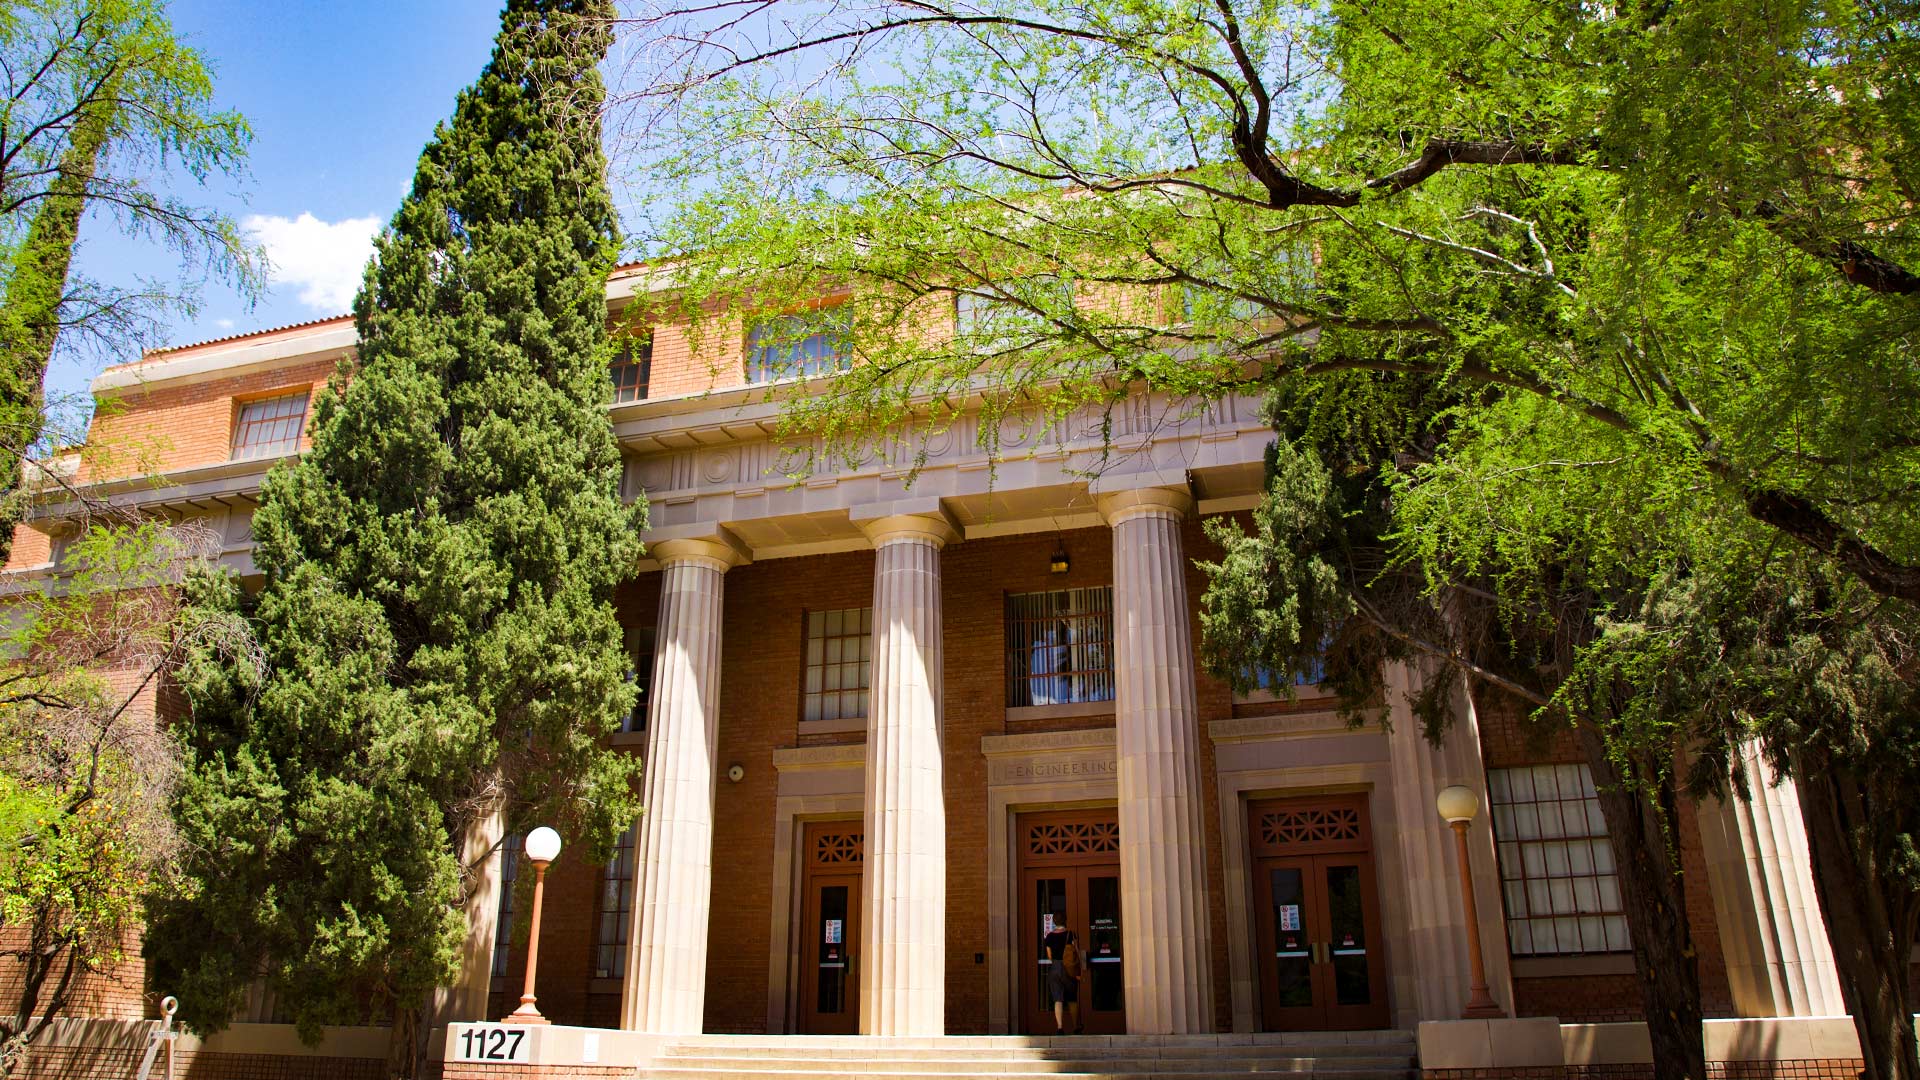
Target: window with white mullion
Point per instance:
(839, 664)
(616, 911)
(1557, 871)
(269, 427)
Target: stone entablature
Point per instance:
(708, 465)
(720, 467)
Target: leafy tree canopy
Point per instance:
(1686, 227)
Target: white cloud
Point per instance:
(224, 324)
(324, 259)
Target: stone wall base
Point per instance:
(120, 1063)
(462, 1070)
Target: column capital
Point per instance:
(1121, 506)
(934, 529)
(721, 551)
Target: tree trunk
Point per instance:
(30, 320)
(1652, 892)
(1869, 915)
(406, 1042)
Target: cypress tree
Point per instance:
(436, 618)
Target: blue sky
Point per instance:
(342, 95)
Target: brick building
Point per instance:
(896, 732)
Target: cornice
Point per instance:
(225, 483)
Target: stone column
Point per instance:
(903, 898)
(666, 985)
(1431, 980)
(1779, 962)
(1163, 899)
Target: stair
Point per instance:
(1335, 1055)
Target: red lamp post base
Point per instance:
(1482, 1007)
(525, 1014)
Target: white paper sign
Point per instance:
(835, 931)
(1046, 923)
(1289, 916)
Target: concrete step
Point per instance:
(1305, 1055)
(1357, 1055)
(1138, 1071)
(1377, 1040)
(936, 1061)
(1095, 1063)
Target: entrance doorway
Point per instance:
(1070, 876)
(1317, 914)
(830, 928)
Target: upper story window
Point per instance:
(1269, 683)
(1060, 647)
(839, 664)
(797, 345)
(1010, 314)
(1273, 682)
(1556, 863)
(269, 427)
(632, 370)
(616, 911)
(1198, 299)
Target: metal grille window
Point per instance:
(839, 664)
(631, 371)
(1060, 647)
(796, 346)
(269, 427)
(503, 922)
(1556, 863)
(616, 911)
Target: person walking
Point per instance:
(1065, 964)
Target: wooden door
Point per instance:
(1070, 874)
(829, 978)
(1317, 915)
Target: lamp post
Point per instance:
(1458, 805)
(542, 847)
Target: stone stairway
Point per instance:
(1354, 1055)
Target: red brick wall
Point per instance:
(31, 547)
(116, 991)
(177, 427)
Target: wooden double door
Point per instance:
(1317, 914)
(1070, 876)
(830, 876)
